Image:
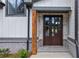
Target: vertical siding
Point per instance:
(13, 31)
(72, 20)
(14, 26)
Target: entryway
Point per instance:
(49, 30)
(52, 30)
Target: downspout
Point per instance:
(28, 29)
(29, 6)
(76, 27)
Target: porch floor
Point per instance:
(52, 52)
(52, 49)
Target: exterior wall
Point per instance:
(70, 43)
(72, 20)
(12, 26)
(13, 30)
(13, 46)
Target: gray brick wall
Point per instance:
(15, 44)
(71, 47)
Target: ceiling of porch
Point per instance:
(52, 3)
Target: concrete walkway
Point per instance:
(52, 55)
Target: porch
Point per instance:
(52, 52)
(58, 38)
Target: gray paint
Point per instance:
(35, 0)
(27, 1)
(76, 27)
(72, 40)
(71, 47)
(14, 47)
(53, 9)
(15, 44)
(14, 40)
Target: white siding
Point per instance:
(72, 20)
(13, 26)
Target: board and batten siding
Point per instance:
(13, 26)
(13, 30)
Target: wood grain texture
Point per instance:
(34, 32)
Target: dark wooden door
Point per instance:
(53, 30)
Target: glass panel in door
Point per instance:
(47, 31)
(52, 25)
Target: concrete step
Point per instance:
(52, 49)
(52, 52)
(52, 55)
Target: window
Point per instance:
(15, 7)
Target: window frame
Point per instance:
(16, 14)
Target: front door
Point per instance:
(53, 30)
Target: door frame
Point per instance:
(34, 31)
(44, 22)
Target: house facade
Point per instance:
(41, 23)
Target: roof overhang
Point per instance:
(1, 4)
(28, 3)
(35, 0)
(52, 9)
